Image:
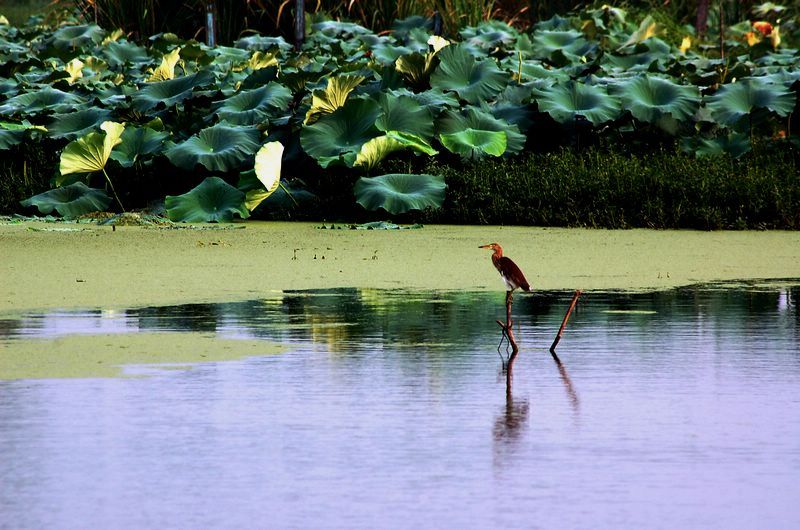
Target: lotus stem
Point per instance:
(108, 179)
(287, 192)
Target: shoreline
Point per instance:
(69, 266)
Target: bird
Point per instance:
(509, 271)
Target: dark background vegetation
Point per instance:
(598, 186)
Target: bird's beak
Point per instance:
(484, 246)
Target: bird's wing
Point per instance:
(510, 270)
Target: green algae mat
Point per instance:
(99, 266)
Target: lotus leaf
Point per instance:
(333, 97)
(647, 28)
(733, 144)
(221, 147)
(213, 200)
(262, 43)
(472, 118)
(10, 138)
(735, 101)
(567, 45)
(404, 113)
(166, 70)
(380, 147)
(268, 168)
(45, 99)
(649, 98)
(91, 152)
(332, 28)
(400, 192)
(340, 135)
(78, 123)
(251, 107)
(417, 68)
(642, 57)
(475, 143)
(138, 142)
(77, 36)
(70, 201)
(565, 102)
(472, 80)
(490, 35)
(171, 92)
(123, 52)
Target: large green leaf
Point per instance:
(400, 192)
(733, 144)
(122, 52)
(404, 113)
(170, 92)
(472, 80)
(251, 107)
(474, 143)
(78, 123)
(10, 137)
(649, 98)
(417, 68)
(138, 142)
(735, 101)
(564, 102)
(221, 147)
(380, 147)
(213, 200)
(338, 137)
(562, 46)
(333, 97)
(479, 120)
(70, 201)
(77, 36)
(489, 35)
(90, 153)
(45, 99)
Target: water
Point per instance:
(678, 409)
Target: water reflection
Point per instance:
(385, 410)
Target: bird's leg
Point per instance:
(509, 297)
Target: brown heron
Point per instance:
(511, 274)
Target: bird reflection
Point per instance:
(510, 424)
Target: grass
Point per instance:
(602, 188)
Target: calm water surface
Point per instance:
(678, 409)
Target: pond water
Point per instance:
(672, 409)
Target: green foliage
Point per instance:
(213, 200)
(400, 192)
(351, 100)
(614, 189)
(220, 147)
(70, 201)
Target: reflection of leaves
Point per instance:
(70, 201)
